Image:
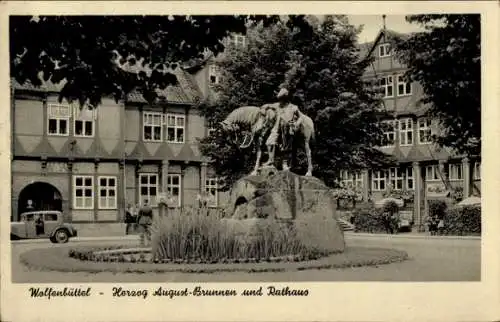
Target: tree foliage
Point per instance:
(446, 60)
(319, 63)
(88, 52)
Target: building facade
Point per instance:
(92, 163)
(423, 169)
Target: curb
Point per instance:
(409, 236)
(80, 239)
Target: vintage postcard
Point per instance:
(323, 161)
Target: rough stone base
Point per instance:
(306, 202)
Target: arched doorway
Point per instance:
(39, 196)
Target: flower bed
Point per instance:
(143, 255)
(57, 259)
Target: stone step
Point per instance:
(345, 225)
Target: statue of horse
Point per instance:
(259, 121)
(252, 119)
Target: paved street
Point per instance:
(431, 259)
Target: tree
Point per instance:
(88, 53)
(319, 63)
(446, 60)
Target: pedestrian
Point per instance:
(440, 226)
(395, 223)
(129, 219)
(387, 222)
(145, 220)
(39, 225)
(433, 225)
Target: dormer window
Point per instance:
(384, 50)
(214, 74)
(238, 41)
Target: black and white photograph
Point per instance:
(243, 148)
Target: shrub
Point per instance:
(391, 207)
(368, 219)
(463, 221)
(191, 234)
(437, 208)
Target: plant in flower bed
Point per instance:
(347, 196)
(405, 195)
(190, 236)
(457, 194)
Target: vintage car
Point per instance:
(42, 224)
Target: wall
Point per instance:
(191, 185)
(197, 128)
(25, 112)
(133, 128)
(110, 120)
(130, 184)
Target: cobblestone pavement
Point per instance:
(431, 259)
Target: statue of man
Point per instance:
(286, 114)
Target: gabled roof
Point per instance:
(186, 91)
(384, 35)
(46, 87)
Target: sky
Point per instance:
(373, 24)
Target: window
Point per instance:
(477, 171)
(396, 178)
(152, 129)
(455, 171)
(174, 187)
(83, 192)
(351, 179)
(211, 191)
(410, 181)
(84, 128)
(107, 192)
(238, 41)
(384, 50)
(389, 132)
(210, 131)
(404, 88)
(58, 115)
(175, 128)
(214, 74)
(378, 181)
(432, 173)
(50, 217)
(83, 124)
(424, 131)
(405, 131)
(148, 187)
(387, 86)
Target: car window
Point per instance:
(29, 217)
(51, 217)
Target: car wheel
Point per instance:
(61, 236)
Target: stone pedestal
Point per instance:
(285, 197)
